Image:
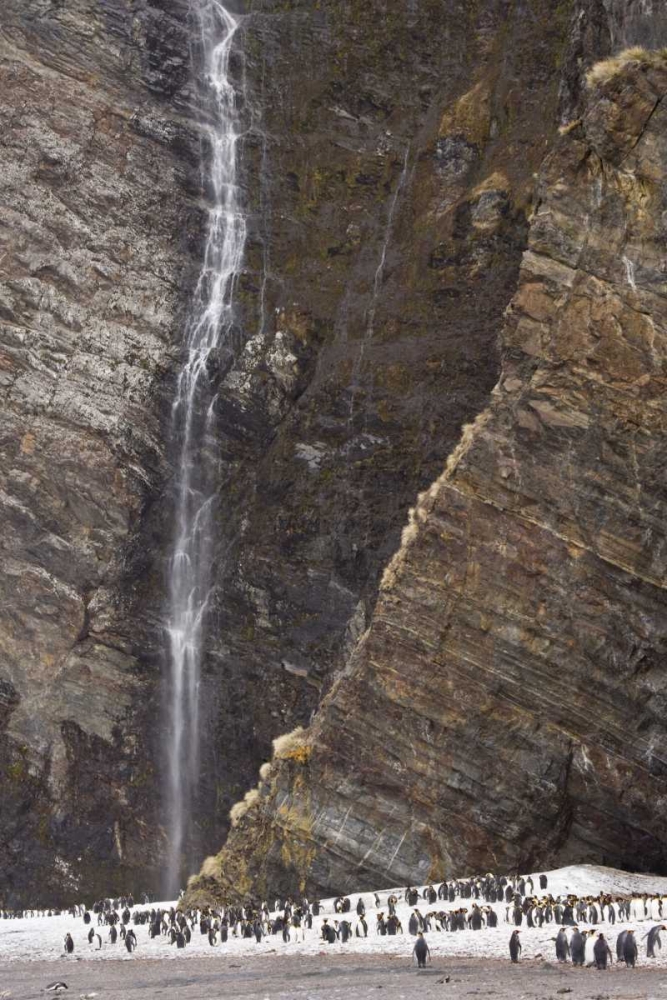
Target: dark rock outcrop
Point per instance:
(506, 708)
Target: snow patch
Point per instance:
(41, 938)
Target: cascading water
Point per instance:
(208, 331)
(367, 338)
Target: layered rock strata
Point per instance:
(388, 168)
(506, 707)
(99, 176)
(390, 165)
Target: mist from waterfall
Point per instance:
(193, 424)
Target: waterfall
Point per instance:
(193, 426)
(379, 272)
(369, 332)
(630, 273)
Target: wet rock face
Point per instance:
(364, 342)
(390, 168)
(506, 708)
(636, 22)
(98, 166)
(390, 164)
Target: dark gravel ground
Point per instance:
(318, 978)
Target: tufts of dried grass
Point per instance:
(286, 745)
(210, 867)
(239, 809)
(607, 69)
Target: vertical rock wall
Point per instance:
(390, 167)
(506, 706)
(389, 170)
(98, 180)
(636, 22)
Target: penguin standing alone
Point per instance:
(421, 951)
(515, 946)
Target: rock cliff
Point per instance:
(99, 181)
(389, 167)
(506, 706)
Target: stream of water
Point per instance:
(209, 328)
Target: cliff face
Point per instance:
(98, 175)
(388, 169)
(635, 22)
(506, 707)
(390, 166)
(389, 172)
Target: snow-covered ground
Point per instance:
(41, 938)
